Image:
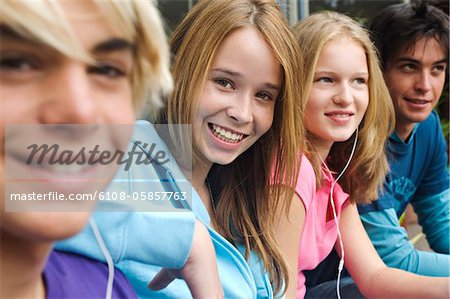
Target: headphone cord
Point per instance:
(336, 221)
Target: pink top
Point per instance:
(319, 235)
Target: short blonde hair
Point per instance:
(44, 22)
(369, 165)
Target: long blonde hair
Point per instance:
(245, 207)
(46, 23)
(369, 165)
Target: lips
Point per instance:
(340, 114)
(417, 101)
(226, 134)
(340, 117)
(47, 170)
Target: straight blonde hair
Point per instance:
(369, 166)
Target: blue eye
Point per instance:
(360, 81)
(264, 96)
(325, 80)
(224, 83)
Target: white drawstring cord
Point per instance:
(108, 257)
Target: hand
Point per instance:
(199, 272)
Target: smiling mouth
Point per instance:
(339, 115)
(225, 135)
(417, 101)
(54, 169)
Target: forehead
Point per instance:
(246, 52)
(343, 53)
(89, 21)
(425, 49)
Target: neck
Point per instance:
(404, 130)
(22, 263)
(321, 147)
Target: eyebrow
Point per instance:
(109, 45)
(412, 60)
(238, 74)
(229, 72)
(334, 73)
(7, 32)
(113, 44)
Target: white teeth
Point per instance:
(339, 115)
(417, 101)
(226, 135)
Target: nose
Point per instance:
(423, 82)
(69, 97)
(241, 108)
(343, 95)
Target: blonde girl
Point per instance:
(348, 116)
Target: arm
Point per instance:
(372, 276)
(431, 200)
(434, 217)
(392, 244)
(159, 239)
(172, 240)
(200, 271)
(288, 231)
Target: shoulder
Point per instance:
(306, 182)
(431, 124)
(71, 275)
(145, 133)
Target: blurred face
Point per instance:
(237, 103)
(339, 94)
(41, 86)
(415, 80)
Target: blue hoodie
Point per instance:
(140, 243)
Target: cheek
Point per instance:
(439, 86)
(119, 108)
(314, 109)
(365, 102)
(399, 86)
(41, 226)
(265, 119)
(20, 102)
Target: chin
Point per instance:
(45, 226)
(419, 118)
(223, 161)
(341, 138)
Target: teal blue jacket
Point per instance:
(141, 242)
